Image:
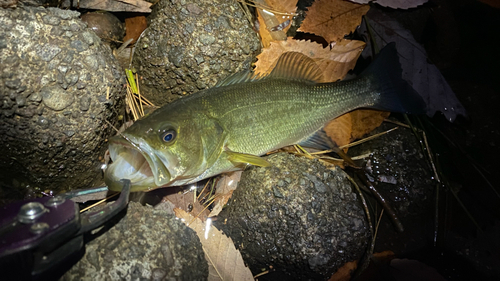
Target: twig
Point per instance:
(392, 215)
(260, 274)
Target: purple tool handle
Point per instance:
(20, 235)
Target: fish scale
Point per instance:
(281, 112)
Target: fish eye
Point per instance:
(168, 136)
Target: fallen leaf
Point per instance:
(186, 202)
(226, 184)
(139, 6)
(134, 27)
(492, 3)
(340, 129)
(395, 4)
(354, 125)
(424, 77)
(344, 273)
(333, 19)
(334, 63)
(225, 261)
(275, 19)
(365, 121)
(384, 256)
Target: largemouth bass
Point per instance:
(229, 126)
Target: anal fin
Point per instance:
(320, 140)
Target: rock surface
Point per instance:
(296, 216)
(400, 170)
(105, 25)
(146, 244)
(191, 45)
(59, 86)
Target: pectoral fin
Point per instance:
(242, 158)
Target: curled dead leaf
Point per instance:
(224, 260)
(333, 19)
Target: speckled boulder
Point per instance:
(147, 244)
(191, 45)
(59, 86)
(297, 216)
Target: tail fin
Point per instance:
(396, 94)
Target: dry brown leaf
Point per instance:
(384, 256)
(134, 26)
(265, 36)
(492, 3)
(186, 202)
(226, 184)
(334, 63)
(275, 21)
(333, 19)
(225, 261)
(340, 129)
(365, 121)
(344, 273)
(354, 125)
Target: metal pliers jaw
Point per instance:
(40, 239)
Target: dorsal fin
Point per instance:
(239, 77)
(294, 65)
(291, 65)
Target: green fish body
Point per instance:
(229, 126)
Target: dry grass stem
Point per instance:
(98, 203)
(367, 138)
(260, 274)
(139, 94)
(213, 264)
(376, 230)
(201, 192)
(210, 202)
(124, 45)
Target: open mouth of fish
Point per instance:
(135, 160)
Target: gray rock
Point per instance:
(191, 47)
(55, 98)
(105, 25)
(295, 218)
(49, 88)
(146, 244)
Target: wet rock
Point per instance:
(297, 216)
(146, 244)
(399, 169)
(191, 45)
(46, 112)
(105, 25)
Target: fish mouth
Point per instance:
(137, 161)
